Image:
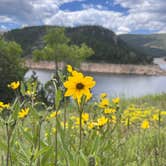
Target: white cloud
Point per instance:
(163, 30)
(5, 19)
(122, 30)
(90, 16)
(144, 14)
(141, 14)
(31, 12)
(93, 6)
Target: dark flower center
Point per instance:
(79, 86)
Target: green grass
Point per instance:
(33, 143)
(158, 101)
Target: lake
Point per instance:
(117, 85)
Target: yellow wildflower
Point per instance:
(23, 113)
(73, 117)
(78, 85)
(7, 106)
(163, 113)
(63, 124)
(54, 114)
(85, 117)
(76, 73)
(116, 100)
(145, 124)
(29, 93)
(109, 110)
(26, 129)
(3, 106)
(77, 121)
(103, 95)
(104, 103)
(53, 130)
(88, 97)
(14, 85)
(91, 125)
(69, 68)
(155, 117)
(113, 119)
(102, 121)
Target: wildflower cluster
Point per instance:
(4, 106)
(109, 109)
(23, 113)
(67, 132)
(143, 115)
(52, 115)
(14, 85)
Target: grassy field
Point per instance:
(107, 132)
(158, 101)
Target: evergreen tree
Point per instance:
(11, 67)
(58, 48)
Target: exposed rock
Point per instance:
(102, 68)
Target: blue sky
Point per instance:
(97, 4)
(121, 16)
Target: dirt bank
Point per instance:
(103, 68)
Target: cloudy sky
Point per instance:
(121, 16)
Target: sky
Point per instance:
(120, 16)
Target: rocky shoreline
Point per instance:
(102, 68)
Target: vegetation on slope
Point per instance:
(107, 46)
(152, 45)
(11, 68)
(57, 49)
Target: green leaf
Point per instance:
(3, 145)
(22, 89)
(41, 152)
(58, 98)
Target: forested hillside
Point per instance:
(151, 45)
(108, 47)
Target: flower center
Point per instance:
(79, 86)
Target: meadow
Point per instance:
(75, 130)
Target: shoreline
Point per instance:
(102, 68)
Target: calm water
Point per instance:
(118, 85)
(163, 66)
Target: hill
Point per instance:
(108, 47)
(152, 45)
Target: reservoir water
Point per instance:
(117, 85)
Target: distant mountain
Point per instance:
(152, 45)
(108, 47)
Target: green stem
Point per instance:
(128, 123)
(39, 135)
(80, 110)
(31, 160)
(56, 141)
(65, 102)
(34, 129)
(80, 129)
(159, 121)
(8, 145)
